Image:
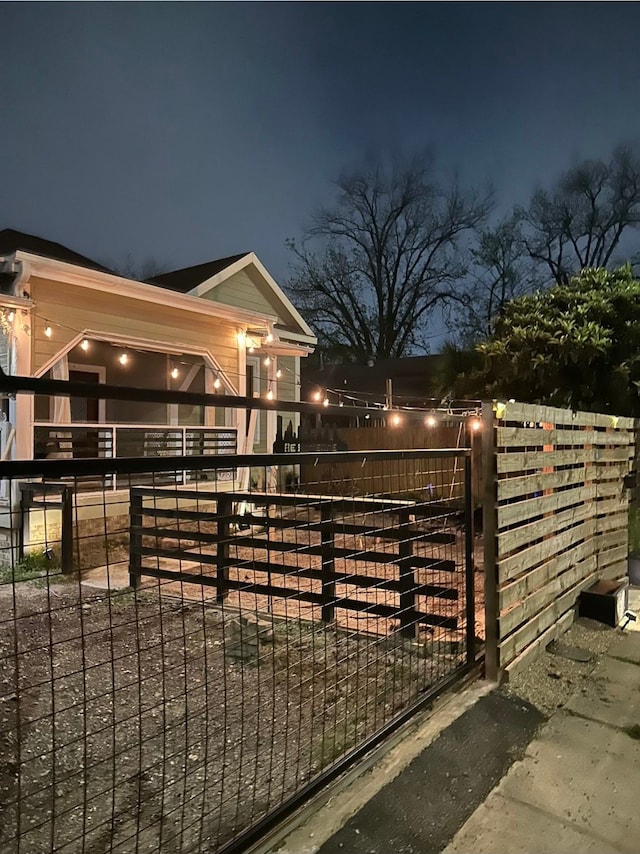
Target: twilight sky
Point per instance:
(183, 132)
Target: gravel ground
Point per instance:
(550, 680)
(126, 726)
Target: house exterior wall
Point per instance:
(70, 310)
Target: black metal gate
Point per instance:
(233, 630)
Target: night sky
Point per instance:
(182, 132)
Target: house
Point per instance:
(224, 326)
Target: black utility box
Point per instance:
(606, 601)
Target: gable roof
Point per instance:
(11, 241)
(190, 277)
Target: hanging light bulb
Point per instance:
(267, 360)
(317, 395)
(175, 373)
(123, 358)
(48, 331)
(430, 421)
(396, 420)
(278, 373)
(476, 424)
(325, 402)
(269, 338)
(217, 383)
(11, 316)
(84, 344)
(270, 394)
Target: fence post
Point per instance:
(407, 579)
(469, 571)
(135, 540)
(489, 527)
(224, 508)
(328, 562)
(66, 534)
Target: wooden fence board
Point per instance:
(531, 460)
(512, 437)
(518, 537)
(549, 414)
(515, 565)
(521, 587)
(514, 487)
(511, 514)
(537, 601)
(516, 642)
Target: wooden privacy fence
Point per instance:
(408, 435)
(555, 519)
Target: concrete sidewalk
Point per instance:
(577, 787)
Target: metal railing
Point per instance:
(98, 441)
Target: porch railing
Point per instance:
(98, 441)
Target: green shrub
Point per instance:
(634, 529)
(35, 565)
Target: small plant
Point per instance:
(35, 565)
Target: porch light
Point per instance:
(84, 345)
(175, 373)
(48, 331)
(123, 358)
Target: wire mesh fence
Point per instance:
(180, 660)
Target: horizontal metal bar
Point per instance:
(372, 608)
(61, 468)
(11, 385)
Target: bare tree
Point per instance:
(372, 268)
(501, 271)
(581, 221)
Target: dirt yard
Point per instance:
(130, 723)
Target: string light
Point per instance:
(270, 394)
(325, 402)
(267, 360)
(269, 338)
(317, 396)
(175, 373)
(476, 424)
(396, 420)
(48, 331)
(84, 344)
(123, 358)
(430, 421)
(278, 373)
(217, 383)
(11, 316)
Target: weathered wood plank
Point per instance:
(609, 523)
(613, 555)
(521, 511)
(533, 460)
(517, 564)
(550, 414)
(517, 590)
(519, 537)
(537, 601)
(514, 487)
(535, 649)
(513, 437)
(518, 640)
